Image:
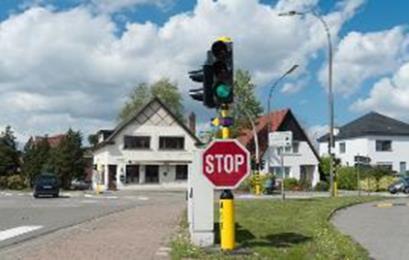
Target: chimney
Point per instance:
(192, 122)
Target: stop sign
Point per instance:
(226, 163)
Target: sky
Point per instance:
(72, 63)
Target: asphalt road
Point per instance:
(380, 227)
(22, 217)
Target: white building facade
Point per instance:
(151, 148)
(384, 140)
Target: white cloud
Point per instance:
(111, 6)
(389, 95)
(74, 68)
(361, 56)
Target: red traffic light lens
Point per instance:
(220, 50)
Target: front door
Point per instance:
(151, 174)
(112, 177)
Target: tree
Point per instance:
(166, 91)
(9, 155)
(324, 167)
(93, 139)
(68, 162)
(36, 158)
(245, 102)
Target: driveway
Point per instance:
(380, 227)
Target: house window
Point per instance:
(342, 147)
(132, 174)
(277, 171)
(181, 172)
(383, 145)
(402, 167)
(136, 142)
(171, 143)
(296, 147)
(385, 165)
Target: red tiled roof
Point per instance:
(53, 141)
(275, 117)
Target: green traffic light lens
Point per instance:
(223, 91)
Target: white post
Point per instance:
(283, 174)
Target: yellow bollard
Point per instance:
(335, 189)
(227, 221)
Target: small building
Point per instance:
(301, 160)
(383, 139)
(151, 147)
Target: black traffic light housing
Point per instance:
(216, 76)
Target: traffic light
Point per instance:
(204, 94)
(216, 75)
(336, 162)
(262, 164)
(222, 63)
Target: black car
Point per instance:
(402, 185)
(46, 184)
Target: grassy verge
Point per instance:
(295, 229)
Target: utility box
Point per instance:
(200, 204)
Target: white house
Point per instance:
(383, 139)
(151, 147)
(300, 161)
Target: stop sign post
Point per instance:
(226, 163)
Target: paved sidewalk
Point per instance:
(381, 227)
(138, 233)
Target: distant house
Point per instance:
(53, 141)
(302, 160)
(383, 139)
(151, 147)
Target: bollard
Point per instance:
(227, 221)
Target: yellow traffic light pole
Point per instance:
(227, 220)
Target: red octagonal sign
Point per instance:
(226, 163)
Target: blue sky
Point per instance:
(58, 53)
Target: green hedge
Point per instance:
(16, 182)
(322, 186)
(291, 184)
(347, 178)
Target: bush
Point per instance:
(16, 182)
(291, 184)
(322, 186)
(3, 182)
(347, 178)
(368, 184)
(249, 184)
(385, 181)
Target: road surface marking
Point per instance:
(143, 198)
(13, 232)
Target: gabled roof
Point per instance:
(53, 141)
(129, 120)
(372, 123)
(276, 118)
(280, 121)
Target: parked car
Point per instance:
(46, 184)
(77, 184)
(402, 185)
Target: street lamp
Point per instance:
(330, 92)
(270, 93)
(270, 116)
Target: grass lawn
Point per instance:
(295, 229)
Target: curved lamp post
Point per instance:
(330, 92)
(270, 119)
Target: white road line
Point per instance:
(13, 232)
(143, 198)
